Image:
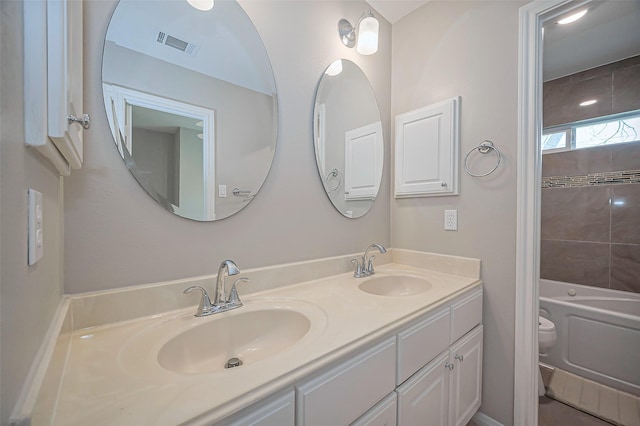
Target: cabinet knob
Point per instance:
(443, 184)
(449, 366)
(85, 121)
(460, 358)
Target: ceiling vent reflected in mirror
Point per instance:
(176, 43)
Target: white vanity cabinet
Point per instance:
(465, 378)
(447, 391)
(346, 391)
(427, 373)
(383, 413)
(278, 410)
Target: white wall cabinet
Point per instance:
(427, 150)
(53, 81)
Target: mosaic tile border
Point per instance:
(592, 179)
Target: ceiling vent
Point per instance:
(176, 43)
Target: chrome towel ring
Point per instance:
(332, 174)
(484, 148)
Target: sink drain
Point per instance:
(233, 362)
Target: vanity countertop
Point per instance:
(112, 375)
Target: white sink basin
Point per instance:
(249, 336)
(395, 285)
(263, 330)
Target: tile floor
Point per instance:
(555, 413)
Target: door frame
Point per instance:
(532, 18)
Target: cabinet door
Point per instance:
(465, 392)
(383, 413)
(64, 38)
(345, 392)
(466, 313)
(426, 154)
(277, 411)
(422, 342)
(422, 400)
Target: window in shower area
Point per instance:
(597, 132)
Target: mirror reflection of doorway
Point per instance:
(171, 147)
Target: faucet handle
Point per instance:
(205, 307)
(370, 270)
(233, 293)
(358, 273)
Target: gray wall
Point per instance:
(29, 295)
(465, 48)
(116, 236)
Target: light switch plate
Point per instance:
(451, 220)
(35, 218)
(222, 191)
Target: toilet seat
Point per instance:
(545, 325)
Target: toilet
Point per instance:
(546, 339)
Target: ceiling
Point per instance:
(394, 10)
(609, 32)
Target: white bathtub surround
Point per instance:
(111, 374)
(609, 404)
(598, 333)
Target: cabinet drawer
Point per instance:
(383, 414)
(466, 313)
(345, 392)
(422, 342)
(276, 411)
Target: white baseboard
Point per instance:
(482, 419)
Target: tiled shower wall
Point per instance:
(616, 86)
(590, 226)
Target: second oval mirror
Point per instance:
(347, 133)
(191, 101)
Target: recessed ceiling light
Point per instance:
(572, 18)
(589, 102)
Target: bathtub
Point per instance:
(598, 333)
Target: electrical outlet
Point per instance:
(451, 220)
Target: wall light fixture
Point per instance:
(203, 5)
(364, 35)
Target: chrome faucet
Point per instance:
(365, 268)
(221, 302)
(219, 296)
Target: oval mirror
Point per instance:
(192, 105)
(347, 133)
